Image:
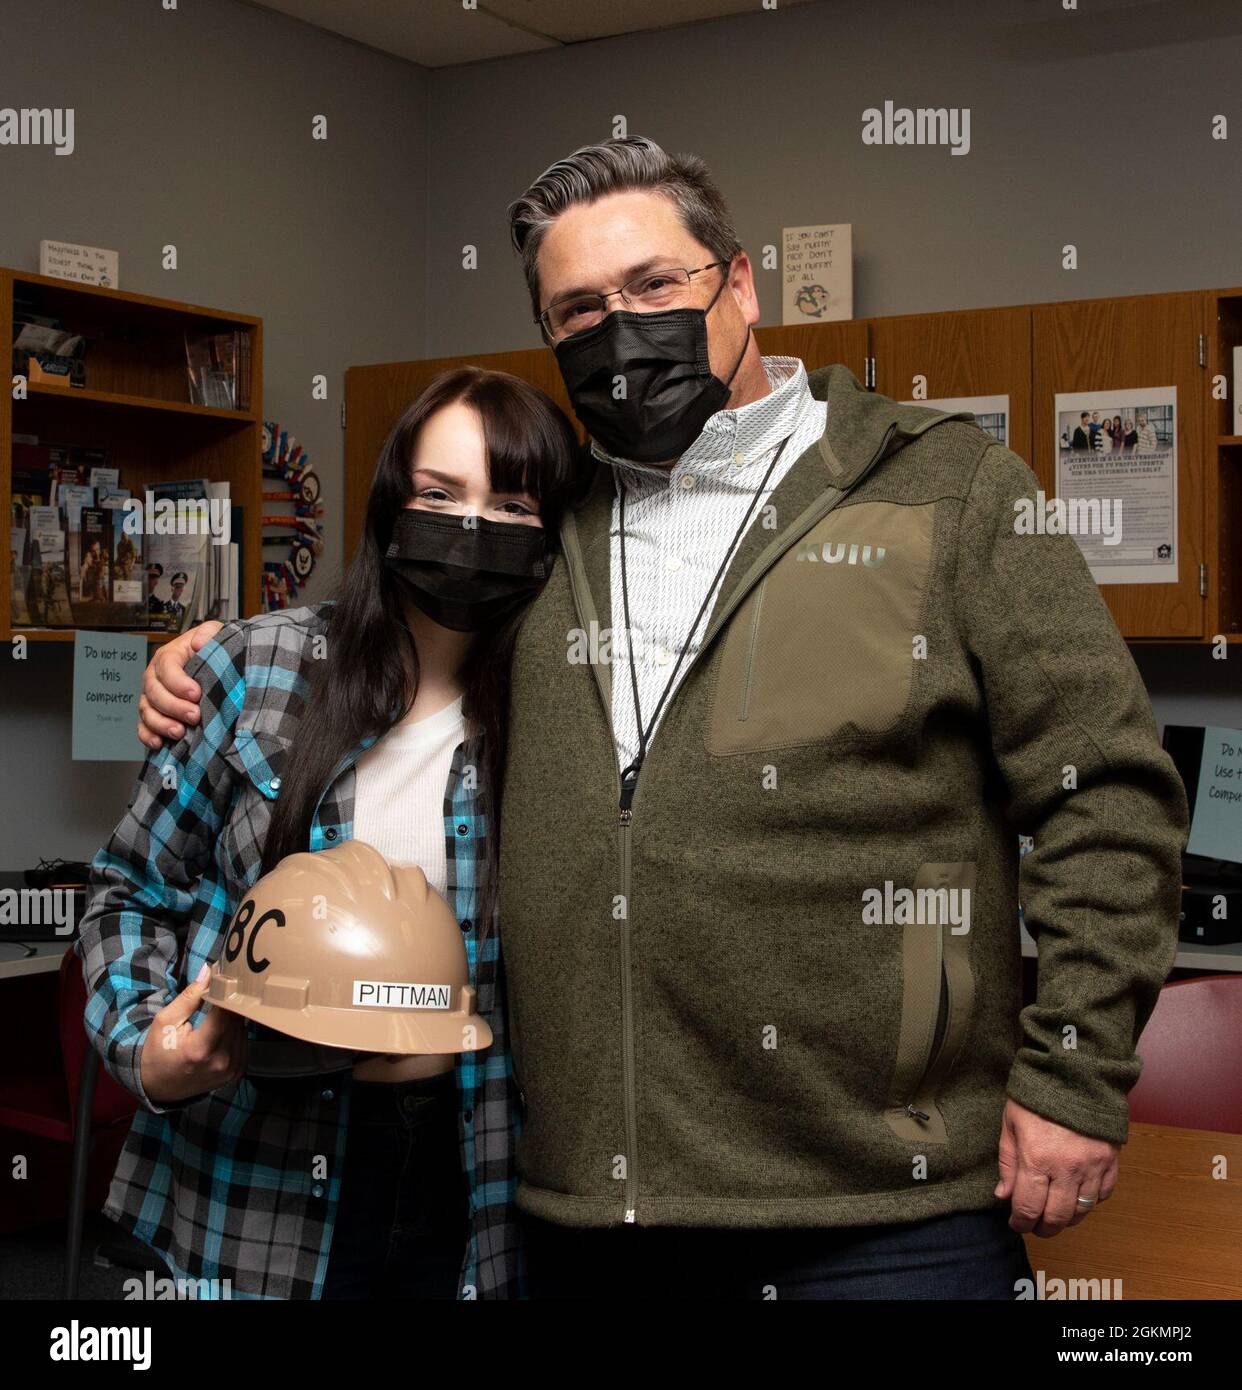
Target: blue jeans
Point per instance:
(965, 1255)
(402, 1220)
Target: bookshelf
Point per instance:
(136, 405)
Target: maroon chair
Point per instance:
(73, 1106)
(1192, 1057)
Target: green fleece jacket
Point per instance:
(783, 987)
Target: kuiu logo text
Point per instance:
(834, 552)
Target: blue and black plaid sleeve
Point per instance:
(145, 882)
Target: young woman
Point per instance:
(381, 716)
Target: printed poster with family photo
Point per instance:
(1117, 451)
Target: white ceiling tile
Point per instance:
(433, 33)
(438, 33)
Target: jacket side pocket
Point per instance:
(937, 998)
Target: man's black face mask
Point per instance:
(661, 361)
(466, 573)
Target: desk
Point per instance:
(1169, 1231)
(14, 961)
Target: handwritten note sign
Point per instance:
(817, 273)
(90, 265)
(1216, 820)
(107, 680)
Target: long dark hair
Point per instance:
(369, 676)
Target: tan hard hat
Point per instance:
(341, 948)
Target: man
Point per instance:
(1082, 436)
(125, 557)
(778, 716)
(155, 604)
(174, 607)
(88, 579)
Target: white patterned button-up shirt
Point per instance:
(679, 527)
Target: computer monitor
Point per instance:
(1209, 760)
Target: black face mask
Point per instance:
(467, 577)
(670, 388)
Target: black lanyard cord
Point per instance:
(629, 777)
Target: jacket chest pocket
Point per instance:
(938, 991)
(825, 643)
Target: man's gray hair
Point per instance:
(615, 166)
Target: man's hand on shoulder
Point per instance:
(169, 699)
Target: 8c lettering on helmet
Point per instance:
(237, 932)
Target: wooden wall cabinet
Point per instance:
(1117, 344)
(1027, 352)
(818, 344)
(377, 396)
(1222, 476)
(971, 352)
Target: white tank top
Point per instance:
(399, 791)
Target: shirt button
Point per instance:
(687, 481)
(330, 833)
(275, 784)
(317, 1190)
(672, 564)
(739, 458)
(465, 926)
(463, 828)
(663, 656)
(328, 1095)
(468, 1116)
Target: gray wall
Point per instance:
(1064, 106)
(352, 250)
(194, 127)
(1119, 95)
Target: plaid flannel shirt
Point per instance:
(242, 1184)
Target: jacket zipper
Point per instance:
(627, 1009)
(626, 789)
(625, 795)
(933, 1052)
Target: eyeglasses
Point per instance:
(655, 289)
